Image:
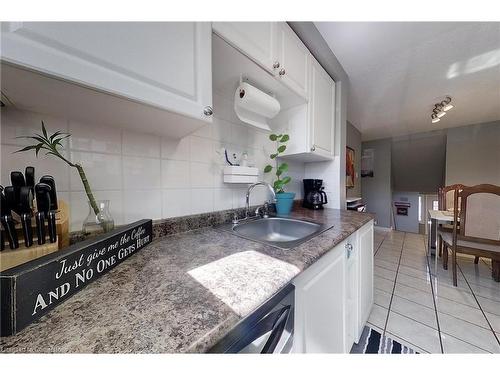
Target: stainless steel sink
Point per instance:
(280, 232)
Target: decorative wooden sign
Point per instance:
(30, 290)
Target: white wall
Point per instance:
(473, 154)
(144, 176)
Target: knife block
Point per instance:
(11, 258)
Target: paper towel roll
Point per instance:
(254, 106)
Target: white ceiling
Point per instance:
(398, 70)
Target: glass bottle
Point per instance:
(102, 222)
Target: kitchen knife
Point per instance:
(17, 179)
(51, 216)
(49, 180)
(43, 205)
(29, 175)
(26, 209)
(8, 197)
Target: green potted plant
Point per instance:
(99, 219)
(284, 200)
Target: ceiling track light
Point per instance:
(440, 109)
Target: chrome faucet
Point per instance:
(264, 207)
(250, 188)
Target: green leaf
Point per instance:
(281, 149)
(55, 135)
(27, 148)
(268, 168)
(283, 167)
(44, 130)
(273, 137)
(286, 180)
(279, 172)
(285, 138)
(278, 185)
(38, 147)
(273, 156)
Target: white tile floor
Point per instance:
(419, 306)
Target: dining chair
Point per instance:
(478, 233)
(445, 202)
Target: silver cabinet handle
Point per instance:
(276, 65)
(348, 247)
(313, 148)
(208, 111)
(282, 72)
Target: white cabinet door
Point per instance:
(320, 302)
(365, 243)
(293, 60)
(163, 64)
(352, 290)
(322, 111)
(257, 40)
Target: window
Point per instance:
(435, 205)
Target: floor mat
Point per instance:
(372, 342)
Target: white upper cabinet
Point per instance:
(292, 63)
(166, 65)
(311, 126)
(322, 111)
(257, 40)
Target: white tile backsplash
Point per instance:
(175, 174)
(176, 202)
(175, 149)
(201, 175)
(141, 204)
(202, 149)
(138, 144)
(102, 139)
(141, 173)
(103, 171)
(202, 201)
(145, 176)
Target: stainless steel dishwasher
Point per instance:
(269, 329)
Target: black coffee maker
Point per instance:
(314, 196)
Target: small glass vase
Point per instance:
(101, 223)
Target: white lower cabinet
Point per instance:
(334, 296)
(365, 286)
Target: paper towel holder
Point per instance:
(256, 106)
(249, 81)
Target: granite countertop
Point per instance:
(182, 293)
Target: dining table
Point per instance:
(436, 217)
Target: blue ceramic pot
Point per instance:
(284, 203)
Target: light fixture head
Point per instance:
(435, 118)
(438, 110)
(446, 104)
(447, 107)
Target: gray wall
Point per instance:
(473, 154)
(353, 140)
(377, 190)
(418, 162)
